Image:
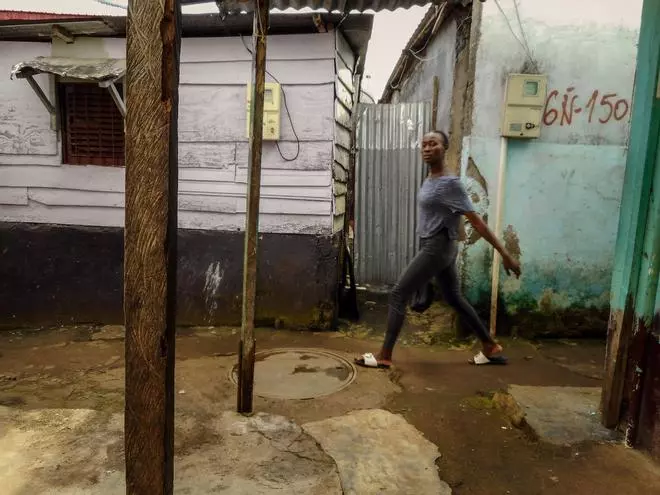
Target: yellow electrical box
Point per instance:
(272, 97)
(523, 105)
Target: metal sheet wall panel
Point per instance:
(389, 171)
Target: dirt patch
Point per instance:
(435, 326)
(432, 386)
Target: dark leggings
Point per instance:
(436, 258)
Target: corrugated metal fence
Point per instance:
(389, 170)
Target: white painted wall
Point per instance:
(296, 196)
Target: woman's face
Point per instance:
(433, 148)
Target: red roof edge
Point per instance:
(13, 15)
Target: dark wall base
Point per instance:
(567, 323)
(52, 275)
(573, 322)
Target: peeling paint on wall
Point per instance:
(477, 189)
(17, 138)
(511, 242)
(214, 275)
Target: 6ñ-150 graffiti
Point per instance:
(600, 107)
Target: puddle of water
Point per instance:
(341, 373)
(304, 369)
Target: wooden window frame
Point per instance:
(95, 136)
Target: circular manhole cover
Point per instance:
(299, 373)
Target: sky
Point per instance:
(390, 34)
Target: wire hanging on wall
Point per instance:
(288, 113)
(525, 45)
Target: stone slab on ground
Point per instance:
(557, 415)
(379, 453)
(80, 451)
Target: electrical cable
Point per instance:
(415, 53)
(438, 17)
(341, 21)
(288, 113)
(362, 91)
(439, 10)
(400, 75)
(426, 59)
(522, 29)
(508, 23)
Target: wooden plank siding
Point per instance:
(343, 105)
(297, 196)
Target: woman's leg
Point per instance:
(450, 287)
(419, 272)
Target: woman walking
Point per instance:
(442, 199)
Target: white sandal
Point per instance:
(368, 360)
(481, 359)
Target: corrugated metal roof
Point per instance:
(117, 7)
(356, 27)
(90, 69)
(234, 6)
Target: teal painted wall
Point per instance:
(632, 375)
(563, 191)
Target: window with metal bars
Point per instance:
(92, 126)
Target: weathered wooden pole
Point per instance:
(152, 78)
(434, 105)
(247, 344)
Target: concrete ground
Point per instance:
(432, 387)
(561, 415)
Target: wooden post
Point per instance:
(495, 268)
(246, 348)
(630, 257)
(434, 107)
(152, 78)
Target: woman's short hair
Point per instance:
(444, 136)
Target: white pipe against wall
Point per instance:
(495, 269)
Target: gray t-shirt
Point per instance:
(442, 200)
